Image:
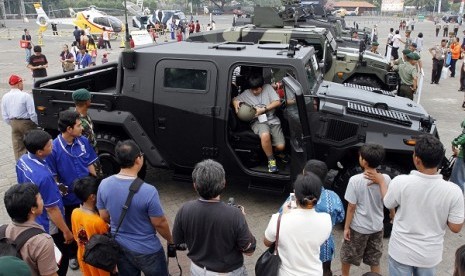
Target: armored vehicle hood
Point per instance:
(367, 54)
(342, 94)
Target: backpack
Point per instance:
(9, 247)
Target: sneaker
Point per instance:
(73, 264)
(272, 168)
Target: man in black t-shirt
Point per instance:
(216, 234)
(38, 63)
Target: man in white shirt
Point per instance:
(18, 111)
(426, 205)
(396, 41)
(106, 38)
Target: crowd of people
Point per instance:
(409, 65)
(61, 193)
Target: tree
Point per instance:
(221, 3)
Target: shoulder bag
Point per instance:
(269, 262)
(102, 251)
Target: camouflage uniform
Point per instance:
(88, 130)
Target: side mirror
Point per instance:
(292, 86)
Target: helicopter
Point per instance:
(89, 18)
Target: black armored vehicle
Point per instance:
(175, 101)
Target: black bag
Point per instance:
(9, 247)
(102, 251)
(269, 262)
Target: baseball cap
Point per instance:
(14, 80)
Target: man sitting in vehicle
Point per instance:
(265, 100)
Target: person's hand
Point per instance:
(236, 105)
(286, 207)
(68, 235)
(242, 209)
(347, 234)
(260, 111)
(374, 176)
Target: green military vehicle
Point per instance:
(175, 101)
(299, 16)
(341, 64)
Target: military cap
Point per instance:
(406, 51)
(81, 95)
(375, 43)
(413, 56)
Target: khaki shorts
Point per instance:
(277, 136)
(368, 247)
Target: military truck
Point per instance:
(341, 64)
(303, 16)
(174, 100)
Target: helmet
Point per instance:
(246, 112)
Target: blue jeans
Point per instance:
(398, 269)
(131, 263)
(28, 54)
(457, 175)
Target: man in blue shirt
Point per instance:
(141, 249)
(32, 168)
(72, 158)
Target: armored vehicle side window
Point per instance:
(194, 79)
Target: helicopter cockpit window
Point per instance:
(101, 21)
(192, 79)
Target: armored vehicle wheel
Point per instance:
(106, 143)
(106, 146)
(365, 81)
(342, 179)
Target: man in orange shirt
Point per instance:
(455, 49)
(86, 222)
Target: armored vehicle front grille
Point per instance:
(395, 117)
(339, 130)
(371, 89)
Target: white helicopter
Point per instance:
(89, 18)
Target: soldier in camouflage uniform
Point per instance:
(81, 98)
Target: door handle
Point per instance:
(162, 123)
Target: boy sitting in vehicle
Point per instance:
(266, 125)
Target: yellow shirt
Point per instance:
(85, 224)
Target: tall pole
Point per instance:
(22, 9)
(3, 12)
(439, 6)
(126, 27)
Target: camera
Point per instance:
(172, 248)
(232, 202)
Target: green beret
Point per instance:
(406, 51)
(81, 95)
(14, 266)
(413, 56)
(375, 43)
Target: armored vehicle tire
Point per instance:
(106, 143)
(342, 179)
(365, 81)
